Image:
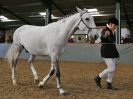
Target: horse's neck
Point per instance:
(70, 25)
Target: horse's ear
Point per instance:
(85, 9)
(79, 10)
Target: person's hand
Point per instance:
(107, 33)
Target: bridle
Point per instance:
(81, 20)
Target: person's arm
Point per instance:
(105, 36)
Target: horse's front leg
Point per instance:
(58, 74)
(54, 69)
(51, 72)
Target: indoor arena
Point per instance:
(66, 49)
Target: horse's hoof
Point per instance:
(40, 85)
(15, 83)
(63, 94)
(36, 81)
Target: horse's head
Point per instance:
(87, 24)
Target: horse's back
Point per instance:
(26, 31)
(27, 28)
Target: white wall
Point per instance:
(82, 52)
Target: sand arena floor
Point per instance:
(77, 79)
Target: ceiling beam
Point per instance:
(10, 12)
(44, 2)
(48, 10)
(58, 7)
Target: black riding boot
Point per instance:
(109, 85)
(98, 81)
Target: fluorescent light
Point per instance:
(92, 10)
(5, 19)
(94, 13)
(53, 17)
(44, 15)
(102, 14)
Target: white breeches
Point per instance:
(110, 62)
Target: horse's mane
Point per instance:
(64, 18)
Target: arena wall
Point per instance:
(81, 52)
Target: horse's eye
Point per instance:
(87, 19)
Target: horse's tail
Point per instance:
(9, 55)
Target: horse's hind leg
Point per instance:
(31, 60)
(16, 52)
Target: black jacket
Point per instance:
(108, 48)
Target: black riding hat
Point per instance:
(113, 20)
